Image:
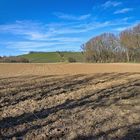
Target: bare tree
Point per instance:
(108, 47)
(130, 40)
(103, 48)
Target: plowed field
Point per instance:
(70, 101)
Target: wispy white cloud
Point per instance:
(26, 46)
(111, 4)
(123, 11)
(80, 28)
(28, 29)
(36, 36)
(127, 26)
(119, 29)
(40, 32)
(127, 18)
(71, 17)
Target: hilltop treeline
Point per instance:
(108, 47)
(13, 59)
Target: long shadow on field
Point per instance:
(33, 90)
(132, 134)
(43, 89)
(100, 98)
(73, 85)
(23, 81)
(55, 87)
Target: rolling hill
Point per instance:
(53, 57)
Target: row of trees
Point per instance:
(108, 47)
(13, 59)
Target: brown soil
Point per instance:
(61, 68)
(70, 101)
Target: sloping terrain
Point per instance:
(98, 106)
(53, 57)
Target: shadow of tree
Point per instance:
(55, 87)
(132, 134)
(100, 98)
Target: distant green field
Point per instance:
(53, 57)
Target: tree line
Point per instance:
(13, 59)
(109, 47)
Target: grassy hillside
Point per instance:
(53, 57)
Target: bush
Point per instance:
(13, 59)
(71, 60)
(31, 52)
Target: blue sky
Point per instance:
(61, 25)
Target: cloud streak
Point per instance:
(111, 4)
(123, 11)
(71, 17)
(42, 32)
